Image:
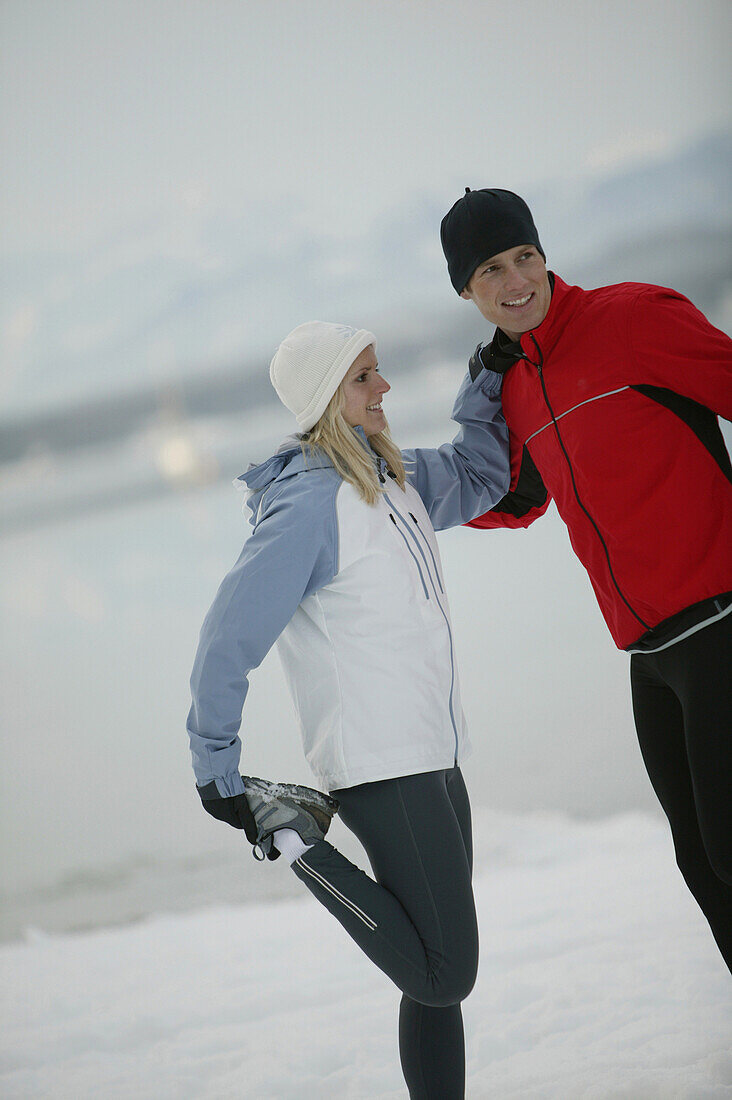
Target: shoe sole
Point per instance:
(320, 805)
(270, 791)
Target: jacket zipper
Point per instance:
(445, 616)
(540, 369)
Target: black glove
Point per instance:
(478, 360)
(234, 810)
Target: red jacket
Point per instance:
(615, 403)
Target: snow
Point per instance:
(598, 979)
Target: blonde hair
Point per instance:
(355, 464)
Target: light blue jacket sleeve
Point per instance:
(291, 553)
(460, 480)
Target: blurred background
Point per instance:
(184, 182)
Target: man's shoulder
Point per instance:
(608, 309)
(609, 313)
(627, 295)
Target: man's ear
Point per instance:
(466, 295)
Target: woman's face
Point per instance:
(363, 389)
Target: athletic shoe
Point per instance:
(286, 806)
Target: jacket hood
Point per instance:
(287, 461)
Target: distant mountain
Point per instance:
(695, 261)
(159, 301)
(140, 339)
(687, 189)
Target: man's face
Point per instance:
(512, 290)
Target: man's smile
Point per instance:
(514, 303)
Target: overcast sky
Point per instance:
(114, 111)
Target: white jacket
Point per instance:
(355, 597)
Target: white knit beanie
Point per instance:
(310, 364)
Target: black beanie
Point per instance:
(480, 225)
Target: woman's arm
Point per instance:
(291, 553)
(463, 479)
(525, 501)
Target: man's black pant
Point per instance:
(682, 702)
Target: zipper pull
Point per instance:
(539, 366)
(414, 518)
(392, 519)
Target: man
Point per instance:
(611, 398)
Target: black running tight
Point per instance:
(417, 920)
(682, 702)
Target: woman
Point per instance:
(343, 571)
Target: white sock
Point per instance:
(290, 844)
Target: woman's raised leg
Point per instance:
(417, 921)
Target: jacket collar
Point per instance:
(561, 307)
(502, 352)
(381, 467)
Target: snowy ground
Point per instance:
(598, 979)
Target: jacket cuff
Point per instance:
(490, 381)
(225, 786)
